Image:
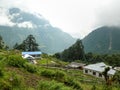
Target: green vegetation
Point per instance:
(29, 44)
(18, 74)
(103, 40)
(52, 85)
(74, 52)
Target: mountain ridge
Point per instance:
(21, 24)
(103, 40)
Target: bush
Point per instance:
(1, 57)
(2, 66)
(48, 73)
(16, 80)
(16, 61)
(1, 72)
(51, 85)
(71, 82)
(59, 75)
(30, 67)
(4, 85)
(93, 87)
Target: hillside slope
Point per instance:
(103, 40)
(20, 24)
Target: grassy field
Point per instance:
(49, 74)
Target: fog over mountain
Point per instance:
(16, 25)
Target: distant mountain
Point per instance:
(20, 24)
(103, 40)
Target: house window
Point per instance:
(86, 71)
(94, 73)
(100, 75)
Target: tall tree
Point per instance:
(29, 44)
(75, 52)
(2, 44)
(106, 76)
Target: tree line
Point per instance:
(73, 53)
(76, 53)
(29, 44)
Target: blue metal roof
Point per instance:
(32, 53)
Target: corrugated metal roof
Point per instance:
(75, 64)
(31, 53)
(100, 67)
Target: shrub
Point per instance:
(2, 66)
(1, 57)
(1, 72)
(93, 87)
(48, 73)
(59, 75)
(16, 80)
(51, 85)
(4, 85)
(71, 82)
(30, 67)
(16, 61)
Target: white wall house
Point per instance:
(30, 58)
(97, 69)
(35, 54)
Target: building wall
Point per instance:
(93, 73)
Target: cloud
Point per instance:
(26, 25)
(4, 20)
(109, 15)
(76, 17)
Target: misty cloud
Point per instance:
(76, 17)
(109, 15)
(26, 25)
(4, 19)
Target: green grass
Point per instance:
(18, 74)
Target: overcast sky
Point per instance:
(77, 17)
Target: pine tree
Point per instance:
(2, 44)
(75, 52)
(29, 44)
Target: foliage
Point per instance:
(113, 59)
(75, 52)
(2, 44)
(29, 44)
(54, 74)
(93, 88)
(1, 72)
(48, 73)
(30, 67)
(16, 80)
(52, 85)
(5, 85)
(2, 67)
(106, 76)
(116, 77)
(25, 76)
(16, 61)
(71, 82)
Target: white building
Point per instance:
(30, 58)
(35, 54)
(97, 69)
